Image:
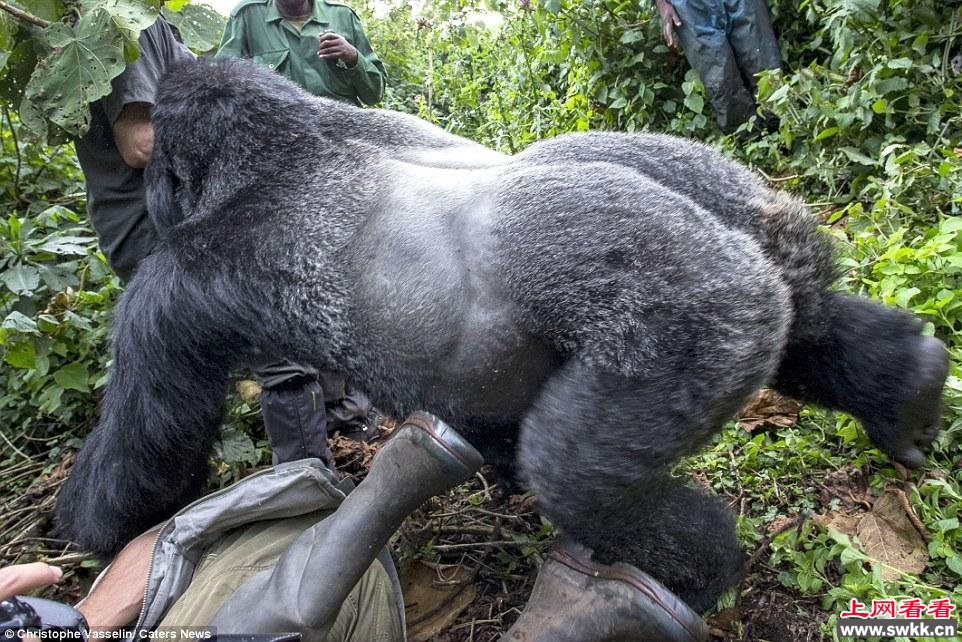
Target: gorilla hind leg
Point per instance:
(870, 360)
(595, 450)
(681, 535)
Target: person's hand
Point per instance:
(22, 578)
(331, 46)
(669, 20)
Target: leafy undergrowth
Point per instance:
(469, 558)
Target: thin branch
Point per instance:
(71, 558)
(17, 450)
(468, 546)
(23, 15)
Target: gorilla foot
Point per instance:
(918, 408)
(873, 363)
(576, 599)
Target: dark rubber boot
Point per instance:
(304, 592)
(578, 600)
(295, 421)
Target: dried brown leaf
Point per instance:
(434, 596)
(767, 408)
(248, 389)
(842, 521)
(888, 535)
(848, 485)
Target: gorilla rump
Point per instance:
(609, 299)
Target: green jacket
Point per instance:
(257, 30)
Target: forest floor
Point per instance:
(468, 559)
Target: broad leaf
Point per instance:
(200, 26)
(236, 447)
(51, 10)
(78, 71)
(19, 65)
(21, 355)
(70, 245)
(21, 279)
(695, 103)
(73, 376)
(130, 17)
(20, 322)
(32, 119)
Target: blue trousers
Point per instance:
(727, 42)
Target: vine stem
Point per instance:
(23, 15)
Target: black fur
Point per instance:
(609, 300)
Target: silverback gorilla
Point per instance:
(608, 299)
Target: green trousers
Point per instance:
(369, 614)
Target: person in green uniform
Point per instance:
(318, 44)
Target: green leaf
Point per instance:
(828, 132)
(200, 26)
(59, 276)
(131, 51)
(47, 323)
(553, 6)
(780, 93)
(630, 36)
(21, 279)
(857, 156)
(236, 447)
(955, 564)
(8, 30)
(894, 85)
(51, 10)
(32, 119)
(944, 525)
(695, 103)
(84, 60)
(15, 227)
(949, 225)
(19, 65)
(69, 245)
(902, 297)
(20, 322)
(75, 320)
(73, 376)
(130, 17)
(21, 355)
(50, 399)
